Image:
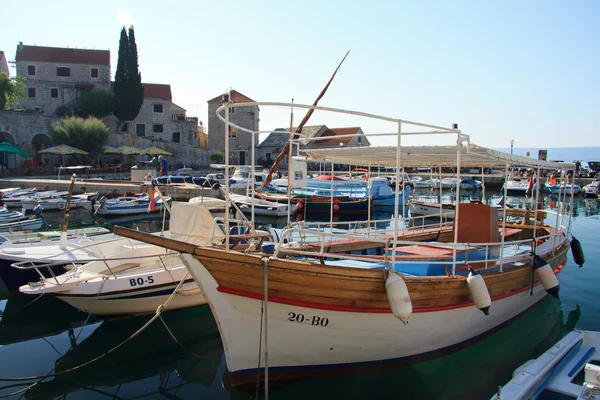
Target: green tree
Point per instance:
(128, 90)
(96, 103)
(89, 134)
(217, 156)
(11, 90)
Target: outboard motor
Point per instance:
(38, 212)
(577, 252)
(102, 202)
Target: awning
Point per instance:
(429, 156)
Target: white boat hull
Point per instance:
(306, 341)
(119, 303)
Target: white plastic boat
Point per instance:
(262, 207)
(568, 370)
(136, 281)
(591, 189)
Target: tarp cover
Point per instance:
(192, 223)
(429, 156)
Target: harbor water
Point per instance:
(41, 336)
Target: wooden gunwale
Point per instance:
(338, 286)
(312, 283)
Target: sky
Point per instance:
(526, 71)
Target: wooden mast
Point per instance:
(286, 148)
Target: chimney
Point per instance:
(20, 48)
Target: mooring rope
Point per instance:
(159, 311)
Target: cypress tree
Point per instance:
(137, 90)
(128, 90)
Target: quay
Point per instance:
(115, 188)
(108, 188)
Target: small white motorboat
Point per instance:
(133, 282)
(36, 237)
(518, 185)
(262, 207)
(420, 183)
(56, 203)
(591, 189)
(431, 209)
(568, 370)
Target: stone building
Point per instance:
(274, 143)
(162, 120)
(240, 143)
(56, 76)
(4, 64)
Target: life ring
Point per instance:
(61, 205)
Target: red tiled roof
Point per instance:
(62, 55)
(157, 91)
(234, 97)
(337, 132)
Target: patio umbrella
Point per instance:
(155, 151)
(62, 150)
(130, 151)
(9, 148)
(111, 150)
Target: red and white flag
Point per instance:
(153, 201)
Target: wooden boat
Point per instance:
(341, 302)
(568, 370)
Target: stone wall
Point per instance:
(22, 127)
(46, 78)
(247, 117)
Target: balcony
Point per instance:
(183, 117)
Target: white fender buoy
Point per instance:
(546, 275)
(399, 298)
(479, 291)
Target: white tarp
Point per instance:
(428, 156)
(192, 223)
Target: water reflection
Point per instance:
(149, 362)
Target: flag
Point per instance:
(153, 201)
(532, 181)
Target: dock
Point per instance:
(108, 188)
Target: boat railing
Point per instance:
(374, 228)
(491, 254)
(32, 264)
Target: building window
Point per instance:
(94, 72)
(140, 129)
(54, 93)
(231, 110)
(158, 108)
(359, 139)
(267, 156)
(158, 128)
(63, 71)
(125, 127)
(31, 70)
(176, 137)
(31, 92)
